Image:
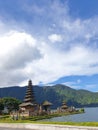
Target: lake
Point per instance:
(90, 115)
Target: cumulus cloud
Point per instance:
(17, 49)
(55, 38)
(77, 61)
(24, 55)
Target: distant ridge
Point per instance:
(55, 94)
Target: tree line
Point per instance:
(9, 103)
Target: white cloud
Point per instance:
(23, 56)
(56, 64)
(74, 85)
(90, 86)
(17, 49)
(69, 83)
(27, 58)
(79, 81)
(55, 38)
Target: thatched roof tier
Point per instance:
(47, 103)
(64, 107)
(27, 104)
(29, 99)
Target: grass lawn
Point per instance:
(56, 123)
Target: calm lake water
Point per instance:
(90, 115)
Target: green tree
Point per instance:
(11, 103)
(1, 105)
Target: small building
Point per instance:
(46, 105)
(29, 106)
(64, 106)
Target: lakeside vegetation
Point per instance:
(8, 118)
(39, 120)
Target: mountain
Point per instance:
(55, 94)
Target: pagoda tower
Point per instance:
(29, 96)
(29, 104)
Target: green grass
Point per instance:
(28, 119)
(56, 123)
(71, 123)
(8, 120)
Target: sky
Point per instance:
(50, 42)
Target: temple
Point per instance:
(29, 105)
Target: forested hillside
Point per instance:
(55, 94)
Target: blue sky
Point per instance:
(83, 9)
(50, 42)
